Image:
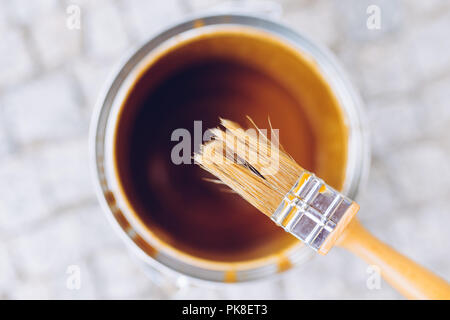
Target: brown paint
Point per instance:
(231, 73)
(109, 196)
(230, 276)
(284, 263)
(151, 251)
(123, 222)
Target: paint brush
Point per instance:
(264, 174)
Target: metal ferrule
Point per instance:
(311, 210)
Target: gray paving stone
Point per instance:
(317, 21)
(200, 293)
(92, 77)
(434, 110)
(428, 46)
(3, 144)
(196, 6)
(55, 42)
(420, 172)
(15, 60)
(385, 114)
(62, 287)
(5, 141)
(97, 231)
(377, 197)
(64, 174)
(338, 275)
(400, 63)
(417, 9)
(414, 231)
(8, 276)
(354, 15)
(55, 286)
(4, 16)
(45, 253)
(385, 67)
(119, 276)
(45, 109)
(31, 290)
(22, 201)
(293, 4)
(419, 233)
(149, 17)
(46, 250)
(27, 12)
(257, 290)
(267, 9)
(105, 35)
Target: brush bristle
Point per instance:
(256, 168)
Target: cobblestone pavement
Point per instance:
(50, 77)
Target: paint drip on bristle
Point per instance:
(253, 166)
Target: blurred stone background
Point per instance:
(50, 77)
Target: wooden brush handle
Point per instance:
(409, 278)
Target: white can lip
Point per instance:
(358, 145)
